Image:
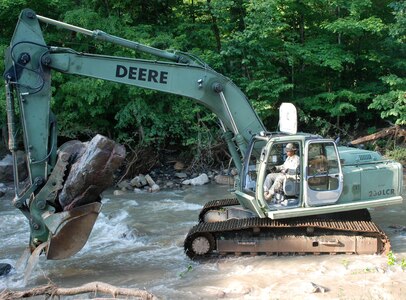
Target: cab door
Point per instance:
(323, 182)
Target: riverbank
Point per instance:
(169, 178)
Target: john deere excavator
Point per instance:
(322, 207)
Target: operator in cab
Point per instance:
(274, 181)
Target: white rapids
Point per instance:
(137, 242)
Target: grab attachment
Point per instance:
(70, 230)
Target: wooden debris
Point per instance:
(318, 288)
(395, 131)
(96, 287)
(179, 166)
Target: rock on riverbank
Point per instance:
(173, 178)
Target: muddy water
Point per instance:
(137, 242)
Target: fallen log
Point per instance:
(96, 287)
(395, 131)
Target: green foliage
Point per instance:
(398, 30)
(397, 154)
(355, 27)
(85, 106)
(338, 103)
(154, 118)
(403, 264)
(188, 269)
(341, 62)
(320, 52)
(345, 263)
(392, 104)
(391, 259)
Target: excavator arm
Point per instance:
(29, 61)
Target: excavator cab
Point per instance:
(323, 184)
(288, 191)
(317, 181)
(270, 148)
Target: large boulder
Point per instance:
(6, 167)
(199, 180)
(92, 171)
(139, 181)
(4, 269)
(3, 189)
(224, 179)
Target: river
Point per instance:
(137, 242)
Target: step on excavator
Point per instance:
(320, 206)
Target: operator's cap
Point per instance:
(290, 147)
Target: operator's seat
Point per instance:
(291, 184)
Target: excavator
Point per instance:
(322, 206)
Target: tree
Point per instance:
(392, 103)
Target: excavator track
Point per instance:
(344, 233)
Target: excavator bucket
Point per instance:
(70, 230)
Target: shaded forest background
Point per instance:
(342, 63)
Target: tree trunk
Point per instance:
(214, 26)
(395, 131)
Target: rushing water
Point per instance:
(137, 242)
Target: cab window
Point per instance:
(323, 167)
(249, 178)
